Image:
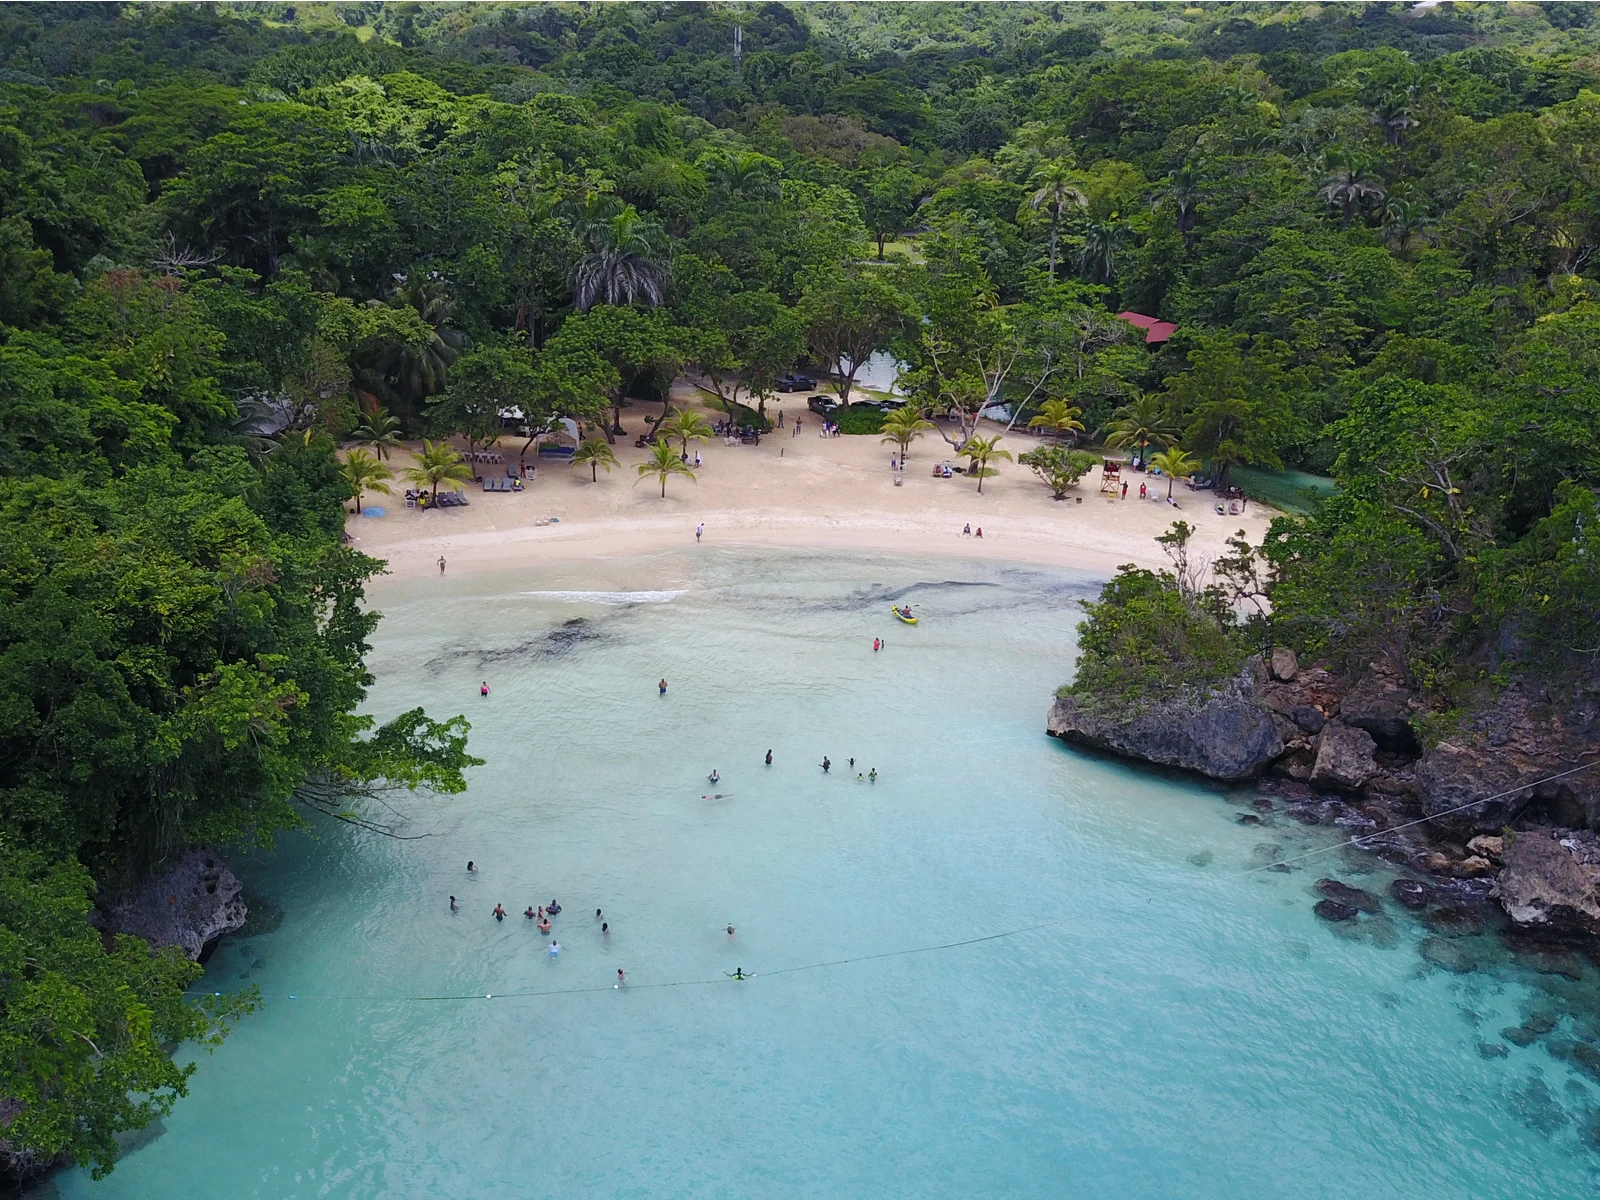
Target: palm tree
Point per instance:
(1406, 222)
(980, 450)
(621, 265)
(1097, 257)
(684, 426)
(1184, 192)
(597, 453)
(743, 175)
(1058, 417)
(364, 473)
(438, 463)
(662, 463)
(1141, 423)
(903, 426)
(413, 373)
(1175, 464)
(1055, 190)
(1349, 186)
(1394, 115)
(381, 432)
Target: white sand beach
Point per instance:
(804, 491)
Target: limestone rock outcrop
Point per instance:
(1345, 757)
(194, 901)
(1550, 880)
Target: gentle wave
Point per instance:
(665, 597)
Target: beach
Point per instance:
(804, 491)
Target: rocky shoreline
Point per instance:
(191, 903)
(1479, 806)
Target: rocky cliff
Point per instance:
(1359, 742)
(190, 904)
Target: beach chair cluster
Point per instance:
(493, 484)
(482, 456)
(416, 499)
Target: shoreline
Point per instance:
(799, 492)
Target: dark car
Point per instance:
(796, 383)
(822, 405)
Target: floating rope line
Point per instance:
(578, 991)
(1359, 841)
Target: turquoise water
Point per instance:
(1292, 491)
(1182, 1028)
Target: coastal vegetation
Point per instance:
(234, 237)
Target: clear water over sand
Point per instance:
(1184, 1029)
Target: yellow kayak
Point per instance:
(902, 616)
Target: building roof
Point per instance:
(1156, 331)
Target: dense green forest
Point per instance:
(231, 235)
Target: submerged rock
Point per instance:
(1549, 961)
(1519, 1035)
(1492, 1050)
(1442, 952)
(1454, 921)
(1546, 884)
(190, 904)
(1332, 910)
(1410, 893)
(1343, 893)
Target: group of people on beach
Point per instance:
(966, 530)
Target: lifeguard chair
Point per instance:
(1110, 476)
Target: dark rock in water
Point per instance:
(1354, 897)
(1262, 805)
(265, 916)
(1201, 858)
(1249, 819)
(1306, 816)
(1332, 910)
(1228, 735)
(1550, 961)
(1548, 882)
(1519, 1035)
(1454, 921)
(1281, 868)
(1492, 1050)
(1378, 932)
(1541, 1022)
(193, 902)
(1580, 1054)
(1442, 952)
(1410, 893)
(1345, 757)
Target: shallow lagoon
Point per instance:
(1183, 1027)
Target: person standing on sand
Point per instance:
(698, 530)
(1124, 489)
(441, 564)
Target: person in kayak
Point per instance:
(738, 973)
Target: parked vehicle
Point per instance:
(796, 383)
(822, 405)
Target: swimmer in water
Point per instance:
(544, 925)
(769, 758)
(663, 686)
(555, 949)
(860, 778)
(472, 867)
(529, 913)
(872, 775)
(714, 777)
(730, 932)
(825, 764)
(499, 913)
(622, 977)
(738, 973)
(483, 688)
(552, 908)
(597, 914)
(605, 929)
(852, 764)
(453, 904)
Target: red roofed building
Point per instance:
(1156, 331)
